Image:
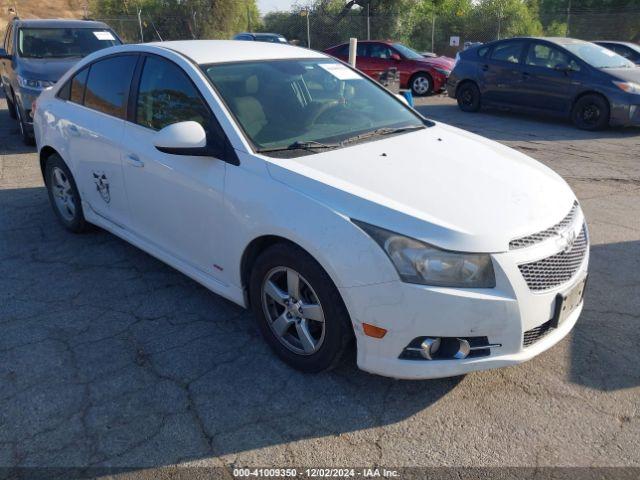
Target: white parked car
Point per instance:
(289, 183)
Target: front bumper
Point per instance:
(502, 314)
(625, 111)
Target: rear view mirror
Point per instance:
(182, 138)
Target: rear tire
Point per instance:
(64, 196)
(288, 315)
(11, 107)
(469, 97)
(591, 112)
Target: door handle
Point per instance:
(73, 130)
(526, 74)
(485, 68)
(133, 160)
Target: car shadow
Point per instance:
(109, 357)
(11, 142)
(491, 123)
(604, 343)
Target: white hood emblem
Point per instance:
(566, 240)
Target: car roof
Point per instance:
(58, 23)
(221, 51)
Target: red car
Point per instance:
(423, 75)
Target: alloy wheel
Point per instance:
(421, 85)
(590, 114)
(293, 311)
(63, 194)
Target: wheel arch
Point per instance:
(45, 153)
(253, 250)
(462, 82)
(590, 92)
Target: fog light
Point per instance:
(429, 347)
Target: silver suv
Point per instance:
(36, 53)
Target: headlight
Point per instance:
(34, 84)
(629, 87)
(444, 72)
(419, 262)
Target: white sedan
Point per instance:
(289, 183)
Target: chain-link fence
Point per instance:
(443, 33)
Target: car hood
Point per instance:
(626, 74)
(445, 186)
(50, 69)
(440, 62)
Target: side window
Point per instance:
(482, 52)
(507, 52)
(166, 96)
(108, 85)
(378, 50)
(546, 56)
(77, 86)
(342, 51)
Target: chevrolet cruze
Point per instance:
(291, 184)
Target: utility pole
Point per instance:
(369, 20)
(140, 25)
(568, 17)
(433, 33)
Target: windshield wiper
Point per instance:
(308, 145)
(382, 131)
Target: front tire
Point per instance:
(590, 112)
(11, 107)
(64, 196)
(299, 310)
(468, 97)
(421, 84)
(27, 138)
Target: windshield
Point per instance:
(408, 52)
(598, 56)
(281, 102)
(63, 42)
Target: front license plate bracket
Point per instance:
(568, 301)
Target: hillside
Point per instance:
(40, 9)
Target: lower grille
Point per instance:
(532, 336)
(557, 269)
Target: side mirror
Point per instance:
(182, 138)
(562, 67)
(4, 55)
(396, 57)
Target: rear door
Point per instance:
(5, 69)
(94, 125)
(550, 79)
(501, 73)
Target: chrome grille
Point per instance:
(557, 269)
(534, 238)
(532, 336)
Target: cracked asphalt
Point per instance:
(109, 358)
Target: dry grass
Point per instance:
(40, 9)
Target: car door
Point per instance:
(379, 59)
(176, 201)
(550, 79)
(501, 73)
(93, 126)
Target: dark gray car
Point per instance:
(260, 37)
(587, 83)
(628, 50)
(36, 53)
